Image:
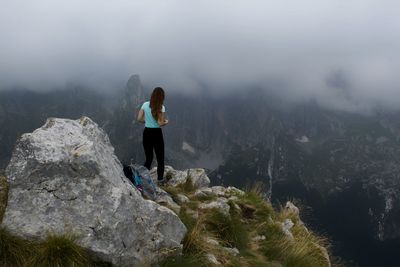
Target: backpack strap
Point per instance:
(135, 175)
(151, 182)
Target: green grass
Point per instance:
(188, 220)
(255, 207)
(255, 217)
(188, 186)
(184, 261)
(193, 204)
(14, 251)
(3, 195)
(204, 198)
(305, 249)
(60, 251)
(230, 229)
(173, 191)
(302, 251)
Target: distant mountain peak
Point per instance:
(134, 91)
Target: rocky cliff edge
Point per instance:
(64, 178)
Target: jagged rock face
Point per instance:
(134, 92)
(65, 178)
(122, 127)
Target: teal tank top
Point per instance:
(150, 122)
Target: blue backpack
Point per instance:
(141, 179)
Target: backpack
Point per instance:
(141, 179)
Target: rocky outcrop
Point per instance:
(196, 176)
(217, 216)
(65, 178)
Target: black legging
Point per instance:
(153, 138)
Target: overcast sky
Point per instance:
(343, 53)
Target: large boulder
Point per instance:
(65, 178)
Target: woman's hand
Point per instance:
(161, 119)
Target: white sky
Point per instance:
(344, 53)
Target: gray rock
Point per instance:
(292, 209)
(65, 178)
(181, 199)
(174, 177)
(233, 198)
(166, 200)
(219, 204)
(232, 251)
(218, 190)
(211, 241)
(234, 191)
(258, 238)
(286, 226)
(212, 259)
(193, 213)
(199, 177)
(204, 192)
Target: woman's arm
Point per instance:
(161, 119)
(140, 116)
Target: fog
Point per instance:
(343, 54)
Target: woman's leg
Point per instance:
(159, 149)
(148, 147)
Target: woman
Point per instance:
(152, 114)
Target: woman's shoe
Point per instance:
(161, 182)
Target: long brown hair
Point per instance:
(156, 101)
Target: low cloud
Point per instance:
(344, 54)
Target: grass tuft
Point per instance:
(228, 228)
(255, 207)
(184, 261)
(187, 187)
(304, 249)
(3, 195)
(301, 251)
(188, 220)
(258, 188)
(193, 242)
(14, 251)
(168, 176)
(61, 251)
